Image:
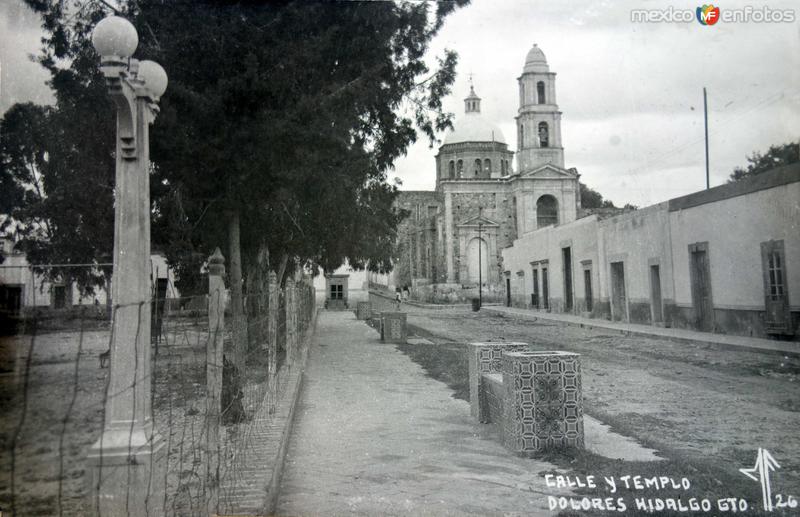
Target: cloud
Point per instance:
(21, 79)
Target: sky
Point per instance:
(631, 94)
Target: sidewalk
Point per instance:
(723, 340)
(375, 436)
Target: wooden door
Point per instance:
(655, 293)
(587, 289)
(545, 289)
(699, 270)
(566, 255)
(619, 305)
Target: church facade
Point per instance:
(482, 203)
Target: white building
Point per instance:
(725, 260)
(21, 287)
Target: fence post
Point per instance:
(291, 321)
(272, 341)
(216, 328)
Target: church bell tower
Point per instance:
(538, 118)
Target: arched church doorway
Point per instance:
(476, 245)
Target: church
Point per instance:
(454, 235)
(720, 260)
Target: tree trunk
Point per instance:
(258, 285)
(238, 348)
(282, 269)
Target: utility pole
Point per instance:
(705, 118)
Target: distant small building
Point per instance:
(22, 288)
(341, 289)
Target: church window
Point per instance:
(546, 211)
(544, 135)
(521, 136)
(452, 169)
(522, 93)
(477, 167)
(460, 168)
(502, 167)
(540, 92)
(487, 167)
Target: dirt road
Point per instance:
(691, 401)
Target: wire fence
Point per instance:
(207, 383)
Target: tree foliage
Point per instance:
(58, 188)
(289, 114)
(591, 198)
(776, 156)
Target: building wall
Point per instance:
(638, 239)
(546, 244)
(732, 220)
(357, 285)
(734, 229)
(38, 292)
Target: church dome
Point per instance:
(472, 127)
(535, 61)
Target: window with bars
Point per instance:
(337, 292)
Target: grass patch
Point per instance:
(446, 363)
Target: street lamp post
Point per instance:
(128, 461)
(480, 259)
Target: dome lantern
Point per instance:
(472, 104)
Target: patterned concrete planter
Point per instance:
(393, 327)
(363, 310)
(485, 358)
(543, 407)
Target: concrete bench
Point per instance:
(363, 310)
(393, 327)
(533, 398)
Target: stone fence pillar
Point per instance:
(543, 407)
(291, 321)
(216, 329)
(485, 358)
(272, 340)
(393, 327)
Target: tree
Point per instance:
(58, 199)
(591, 198)
(273, 110)
(776, 156)
(23, 140)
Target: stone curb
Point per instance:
(295, 389)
